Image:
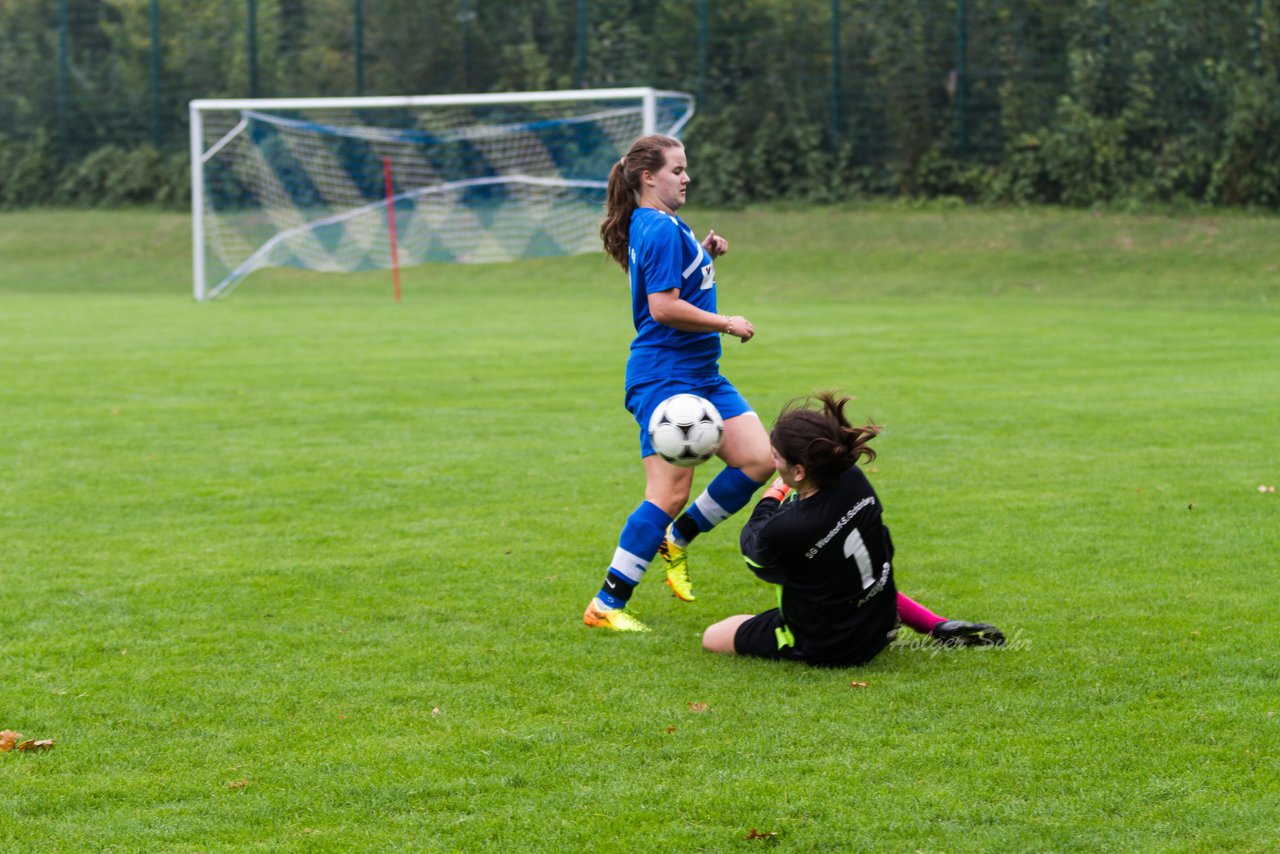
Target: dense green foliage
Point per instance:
(302, 571)
(1077, 102)
(108, 176)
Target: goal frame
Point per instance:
(648, 97)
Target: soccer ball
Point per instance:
(686, 430)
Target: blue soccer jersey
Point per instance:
(664, 255)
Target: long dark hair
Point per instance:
(647, 152)
(824, 442)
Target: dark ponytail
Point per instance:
(622, 197)
(824, 442)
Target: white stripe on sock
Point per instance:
(707, 506)
(628, 565)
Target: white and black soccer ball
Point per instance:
(686, 430)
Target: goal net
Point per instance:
(319, 183)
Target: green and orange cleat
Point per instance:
(676, 560)
(599, 617)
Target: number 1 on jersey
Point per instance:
(854, 547)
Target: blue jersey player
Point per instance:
(676, 349)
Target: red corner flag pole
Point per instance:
(391, 223)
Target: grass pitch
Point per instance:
(303, 570)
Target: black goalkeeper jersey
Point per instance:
(833, 556)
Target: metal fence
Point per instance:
(883, 78)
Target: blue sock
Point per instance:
(641, 536)
(727, 493)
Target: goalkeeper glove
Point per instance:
(777, 490)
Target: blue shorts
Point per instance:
(643, 398)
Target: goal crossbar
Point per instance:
(457, 100)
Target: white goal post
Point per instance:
(345, 184)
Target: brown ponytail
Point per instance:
(824, 442)
(648, 153)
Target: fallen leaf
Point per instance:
(8, 739)
(698, 707)
(237, 784)
(1262, 487)
(859, 684)
(33, 744)
(671, 729)
(435, 711)
(755, 834)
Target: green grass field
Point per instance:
(303, 570)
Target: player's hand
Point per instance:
(777, 490)
(715, 244)
(741, 328)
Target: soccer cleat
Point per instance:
(677, 562)
(960, 633)
(599, 617)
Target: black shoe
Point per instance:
(960, 633)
